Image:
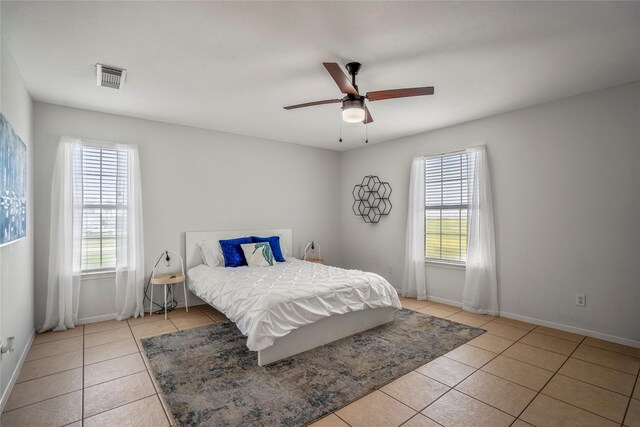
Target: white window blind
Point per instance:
(104, 197)
(446, 207)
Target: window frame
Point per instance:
(105, 272)
(442, 262)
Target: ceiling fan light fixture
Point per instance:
(353, 111)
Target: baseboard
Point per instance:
(444, 301)
(16, 372)
(566, 328)
(573, 329)
(94, 319)
(436, 299)
(104, 317)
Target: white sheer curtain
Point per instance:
(65, 241)
(129, 235)
(480, 293)
(413, 281)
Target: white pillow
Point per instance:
(211, 252)
(258, 254)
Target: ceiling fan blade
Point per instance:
(340, 78)
(380, 95)
(367, 117)
(310, 104)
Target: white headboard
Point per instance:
(192, 238)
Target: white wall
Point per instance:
(566, 186)
(194, 179)
(565, 174)
(16, 259)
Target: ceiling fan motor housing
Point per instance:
(353, 102)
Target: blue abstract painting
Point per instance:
(13, 184)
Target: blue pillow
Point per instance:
(274, 242)
(232, 251)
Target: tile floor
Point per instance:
(516, 374)
(95, 375)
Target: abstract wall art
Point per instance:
(371, 199)
(13, 184)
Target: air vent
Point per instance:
(110, 76)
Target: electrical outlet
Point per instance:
(581, 300)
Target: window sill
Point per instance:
(444, 264)
(97, 275)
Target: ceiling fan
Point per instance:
(354, 109)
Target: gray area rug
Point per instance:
(210, 378)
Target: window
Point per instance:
(446, 208)
(104, 203)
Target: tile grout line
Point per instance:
(480, 368)
(548, 381)
(112, 358)
(153, 384)
(499, 354)
(120, 322)
(54, 340)
(592, 385)
(113, 379)
(420, 414)
(469, 396)
(579, 343)
(554, 336)
(578, 407)
(40, 401)
(633, 390)
(83, 349)
(120, 406)
(504, 379)
(598, 364)
(157, 394)
(546, 349)
(557, 372)
(400, 401)
(481, 401)
(540, 391)
(49, 375)
(53, 355)
(344, 421)
(476, 370)
(438, 381)
(537, 392)
(82, 377)
(568, 357)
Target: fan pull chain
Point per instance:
(340, 120)
(366, 133)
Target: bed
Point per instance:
(293, 306)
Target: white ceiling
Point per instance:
(233, 66)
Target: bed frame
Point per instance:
(306, 337)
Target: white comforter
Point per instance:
(267, 303)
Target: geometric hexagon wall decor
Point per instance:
(371, 199)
